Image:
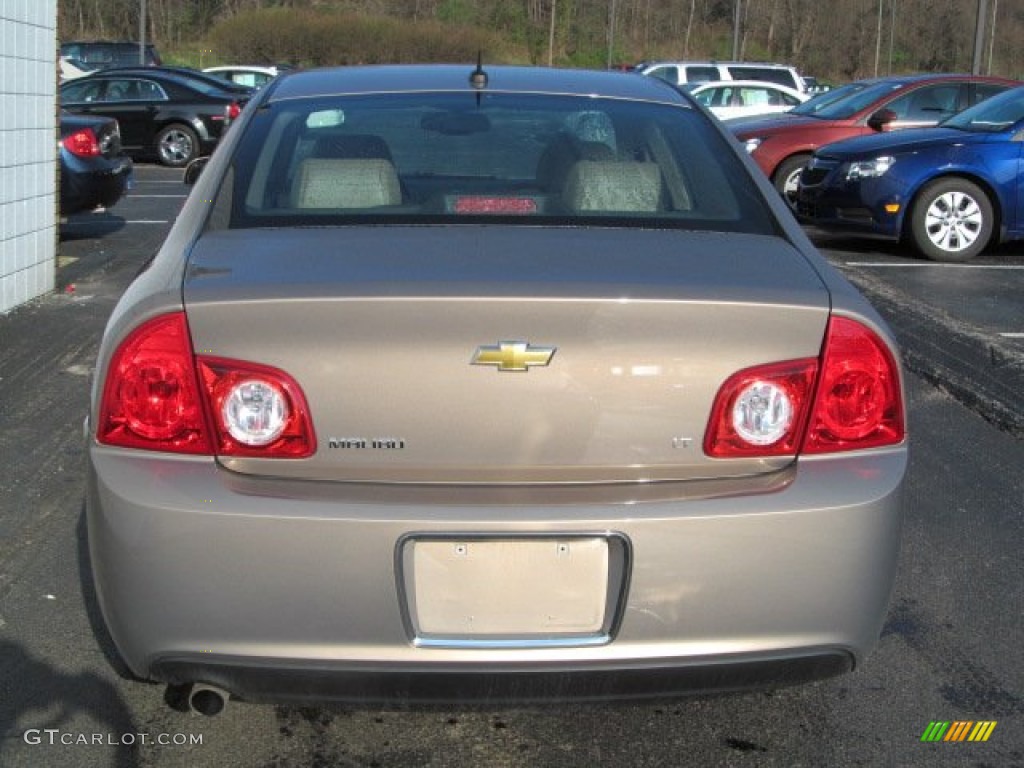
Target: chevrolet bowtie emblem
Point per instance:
(513, 356)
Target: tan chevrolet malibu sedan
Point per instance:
(490, 383)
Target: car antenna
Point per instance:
(478, 78)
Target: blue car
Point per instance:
(949, 191)
(94, 170)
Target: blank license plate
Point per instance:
(508, 588)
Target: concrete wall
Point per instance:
(28, 150)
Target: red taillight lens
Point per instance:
(850, 400)
(233, 110)
(258, 410)
(82, 143)
(761, 411)
(153, 399)
(859, 403)
(151, 396)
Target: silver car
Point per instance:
(493, 383)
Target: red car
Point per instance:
(782, 144)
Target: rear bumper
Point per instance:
(275, 589)
(284, 679)
(85, 185)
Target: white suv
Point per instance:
(683, 72)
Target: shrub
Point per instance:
(321, 38)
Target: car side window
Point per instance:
(701, 74)
(770, 74)
(669, 74)
(150, 91)
(982, 91)
(751, 97)
(251, 79)
(81, 92)
(118, 90)
(929, 104)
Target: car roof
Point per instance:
(267, 70)
(397, 78)
(715, 63)
(176, 74)
(923, 77)
(705, 84)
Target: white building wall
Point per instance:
(28, 150)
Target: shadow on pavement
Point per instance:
(89, 226)
(40, 703)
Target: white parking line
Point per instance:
(1012, 335)
(134, 195)
(936, 265)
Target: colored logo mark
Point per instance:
(959, 730)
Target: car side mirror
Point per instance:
(193, 169)
(881, 119)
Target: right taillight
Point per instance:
(82, 143)
(859, 401)
(847, 399)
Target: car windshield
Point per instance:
(443, 157)
(843, 103)
(992, 115)
(815, 104)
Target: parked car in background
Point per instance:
(100, 54)
(250, 76)
(191, 73)
(687, 72)
(950, 191)
(782, 145)
(728, 99)
(466, 384)
(814, 86)
(94, 170)
(164, 114)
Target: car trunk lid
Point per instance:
(405, 342)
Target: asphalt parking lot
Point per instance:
(950, 650)
(961, 326)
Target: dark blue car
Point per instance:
(94, 170)
(950, 191)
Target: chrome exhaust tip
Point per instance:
(207, 700)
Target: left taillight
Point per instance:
(258, 411)
(158, 396)
(151, 394)
(232, 111)
(82, 143)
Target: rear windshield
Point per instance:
(425, 158)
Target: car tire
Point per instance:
(177, 145)
(786, 177)
(951, 220)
